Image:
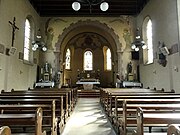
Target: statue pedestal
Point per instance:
(130, 77)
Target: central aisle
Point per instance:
(88, 119)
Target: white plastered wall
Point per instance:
(165, 29)
(14, 73)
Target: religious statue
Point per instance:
(130, 73)
(118, 81)
(98, 74)
(129, 67)
(47, 72)
(46, 67)
(78, 74)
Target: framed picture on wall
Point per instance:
(12, 50)
(21, 55)
(2, 48)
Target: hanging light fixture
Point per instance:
(138, 43)
(38, 44)
(77, 4)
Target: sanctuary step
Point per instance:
(88, 93)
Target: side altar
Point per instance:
(46, 77)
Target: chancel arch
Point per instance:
(85, 35)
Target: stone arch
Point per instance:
(90, 26)
(88, 22)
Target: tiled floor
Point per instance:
(88, 119)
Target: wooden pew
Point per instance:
(126, 108)
(111, 101)
(106, 92)
(52, 109)
(24, 119)
(155, 118)
(40, 95)
(26, 106)
(73, 92)
(108, 95)
(69, 101)
(5, 130)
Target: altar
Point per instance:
(88, 84)
(44, 84)
(131, 84)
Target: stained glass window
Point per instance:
(68, 59)
(149, 42)
(88, 60)
(27, 40)
(108, 59)
(148, 38)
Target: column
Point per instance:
(120, 61)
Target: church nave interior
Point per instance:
(63, 62)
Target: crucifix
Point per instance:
(14, 28)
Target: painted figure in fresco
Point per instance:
(50, 35)
(127, 38)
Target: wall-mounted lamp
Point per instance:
(38, 44)
(138, 43)
(77, 4)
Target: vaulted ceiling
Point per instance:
(57, 8)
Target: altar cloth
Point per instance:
(88, 84)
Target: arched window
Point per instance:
(147, 36)
(68, 59)
(27, 40)
(108, 59)
(88, 60)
